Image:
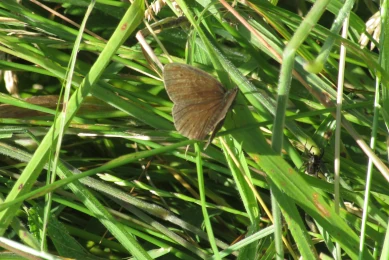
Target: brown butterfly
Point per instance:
(200, 101)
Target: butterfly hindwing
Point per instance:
(195, 121)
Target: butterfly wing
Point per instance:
(200, 101)
(187, 84)
(196, 121)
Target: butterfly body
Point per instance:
(200, 101)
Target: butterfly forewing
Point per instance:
(200, 101)
(185, 83)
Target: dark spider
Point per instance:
(314, 163)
